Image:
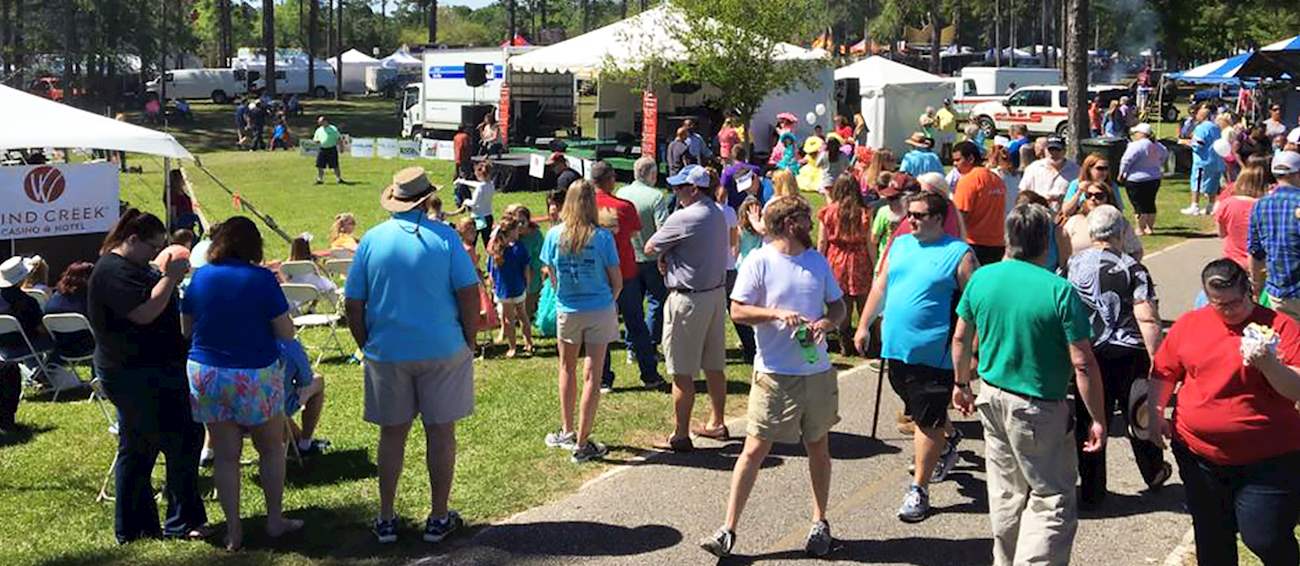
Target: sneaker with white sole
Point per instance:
(435, 530)
(948, 459)
(385, 530)
(916, 505)
(819, 540)
(561, 439)
(1192, 210)
(720, 543)
(592, 450)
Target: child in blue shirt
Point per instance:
(509, 270)
(305, 390)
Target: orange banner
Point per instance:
(649, 123)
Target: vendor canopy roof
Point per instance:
(625, 43)
(354, 56)
(1221, 71)
(1280, 59)
(32, 121)
(399, 58)
(879, 71)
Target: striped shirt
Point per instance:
(1274, 238)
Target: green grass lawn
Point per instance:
(49, 476)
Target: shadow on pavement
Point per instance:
(844, 446)
(577, 538)
(722, 458)
(912, 550)
(1170, 499)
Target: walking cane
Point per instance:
(880, 385)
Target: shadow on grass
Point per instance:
(334, 466)
(919, 551)
(22, 434)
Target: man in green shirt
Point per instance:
(652, 206)
(1033, 334)
(328, 137)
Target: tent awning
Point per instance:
(400, 58)
(354, 56)
(878, 70)
(1221, 71)
(1278, 60)
(32, 121)
(623, 44)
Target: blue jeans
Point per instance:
(153, 408)
(641, 306)
(1259, 500)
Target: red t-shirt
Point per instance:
(629, 223)
(1227, 412)
(1232, 214)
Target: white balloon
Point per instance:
(811, 118)
(1221, 147)
(821, 109)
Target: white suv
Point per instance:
(1042, 109)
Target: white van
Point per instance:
(219, 85)
(293, 79)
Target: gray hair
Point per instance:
(1105, 222)
(1028, 231)
(935, 181)
(646, 170)
(602, 172)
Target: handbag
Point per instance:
(545, 321)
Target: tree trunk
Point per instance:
(69, 44)
(510, 22)
(541, 7)
(268, 44)
(936, 35)
(997, 33)
(1011, 23)
(18, 51)
(433, 22)
(624, 11)
(1076, 72)
(313, 21)
(4, 37)
(585, 6)
(1044, 33)
(338, 50)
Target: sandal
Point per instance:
(720, 433)
(674, 445)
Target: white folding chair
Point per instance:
(41, 296)
(304, 295)
(101, 399)
(341, 253)
(294, 269)
(338, 268)
(9, 326)
(70, 324)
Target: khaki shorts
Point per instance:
(439, 390)
(793, 408)
(695, 332)
(588, 327)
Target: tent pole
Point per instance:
(167, 191)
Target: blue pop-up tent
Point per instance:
(1279, 60)
(1217, 72)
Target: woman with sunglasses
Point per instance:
(1095, 168)
(1090, 196)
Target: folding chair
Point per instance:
(296, 269)
(69, 324)
(41, 296)
(338, 268)
(304, 295)
(9, 326)
(101, 399)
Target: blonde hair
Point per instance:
(496, 247)
(784, 184)
(340, 220)
(40, 274)
(578, 216)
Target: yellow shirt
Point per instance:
(344, 242)
(947, 120)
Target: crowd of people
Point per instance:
(1017, 266)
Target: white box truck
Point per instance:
(978, 85)
(432, 106)
(219, 85)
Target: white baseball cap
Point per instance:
(1143, 128)
(1286, 163)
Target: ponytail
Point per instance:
(142, 225)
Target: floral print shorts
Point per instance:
(247, 397)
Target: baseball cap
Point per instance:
(1293, 136)
(1143, 128)
(1055, 142)
(691, 175)
(1286, 163)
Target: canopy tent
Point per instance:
(32, 121)
(400, 58)
(624, 43)
(353, 69)
(1217, 72)
(1279, 60)
(894, 96)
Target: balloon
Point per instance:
(1221, 147)
(821, 109)
(811, 118)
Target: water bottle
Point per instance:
(807, 346)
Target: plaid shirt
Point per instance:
(1274, 237)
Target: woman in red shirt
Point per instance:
(1235, 425)
(1232, 213)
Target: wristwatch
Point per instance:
(964, 386)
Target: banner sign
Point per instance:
(57, 200)
(363, 147)
(308, 148)
(536, 165)
(503, 116)
(386, 147)
(408, 149)
(428, 148)
(649, 123)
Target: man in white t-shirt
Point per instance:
(1051, 175)
(786, 291)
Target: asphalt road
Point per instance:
(653, 511)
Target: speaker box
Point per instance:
(472, 115)
(684, 88)
(476, 74)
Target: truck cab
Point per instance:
(411, 111)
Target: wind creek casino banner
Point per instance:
(38, 201)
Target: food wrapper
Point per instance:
(1256, 339)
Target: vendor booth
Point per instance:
(62, 211)
(892, 96)
(353, 69)
(623, 45)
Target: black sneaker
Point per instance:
(1158, 482)
(437, 529)
(592, 450)
(385, 530)
(819, 540)
(720, 543)
(318, 446)
(656, 384)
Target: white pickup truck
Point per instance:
(1043, 109)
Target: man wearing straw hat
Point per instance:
(921, 159)
(412, 305)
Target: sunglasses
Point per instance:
(1101, 167)
(919, 215)
(1098, 196)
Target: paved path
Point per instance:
(653, 512)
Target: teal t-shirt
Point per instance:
(1025, 318)
(581, 281)
(916, 326)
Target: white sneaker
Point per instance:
(1192, 210)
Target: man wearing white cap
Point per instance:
(412, 305)
(1274, 238)
(16, 303)
(1051, 175)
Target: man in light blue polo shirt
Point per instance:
(412, 304)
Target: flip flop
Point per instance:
(677, 445)
(720, 433)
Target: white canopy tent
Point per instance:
(623, 45)
(894, 96)
(353, 69)
(32, 121)
(400, 59)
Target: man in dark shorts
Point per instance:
(919, 282)
(328, 157)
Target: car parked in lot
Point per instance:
(1043, 109)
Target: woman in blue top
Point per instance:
(234, 311)
(582, 264)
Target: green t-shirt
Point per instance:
(327, 136)
(1025, 318)
(533, 243)
(881, 228)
